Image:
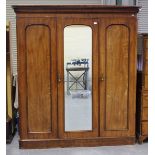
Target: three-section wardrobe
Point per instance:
(76, 74)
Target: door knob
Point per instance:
(102, 78)
(59, 78)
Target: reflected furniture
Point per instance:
(142, 94)
(47, 38)
(81, 79)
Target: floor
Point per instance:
(12, 149)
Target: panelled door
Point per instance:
(77, 77)
(117, 77)
(37, 77)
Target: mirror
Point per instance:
(78, 77)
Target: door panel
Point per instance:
(78, 86)
(117, 68)
(38, 78)
(37, 64)
(116, 77)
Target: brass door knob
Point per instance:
(59, 78)
(102, 78)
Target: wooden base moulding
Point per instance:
(89, 142)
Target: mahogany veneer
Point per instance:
(40, 61)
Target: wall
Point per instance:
(143, 16)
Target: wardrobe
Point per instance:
(142, 93)
(76, 74)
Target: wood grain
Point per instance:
(117, 81)
(41, 60)
(118, 65)
(37, 78)
(74, 9)
(145, 99)
(144, 128)
(79, 142)
(144, 114)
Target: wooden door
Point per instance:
(37, 77)
(92, 25)
(117, 77)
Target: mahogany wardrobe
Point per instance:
(76, 74)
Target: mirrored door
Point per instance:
(78, 78)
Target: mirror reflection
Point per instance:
(78, 77)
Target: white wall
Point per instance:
(143, 16)
(128, 2)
